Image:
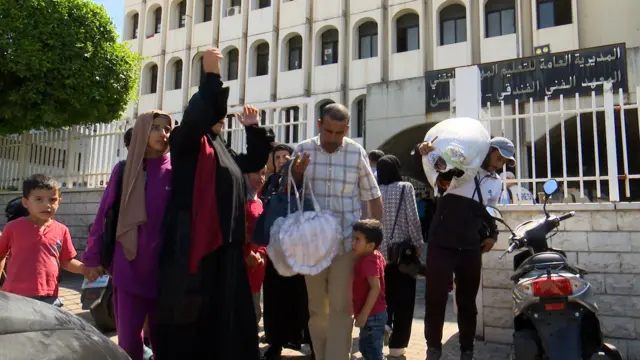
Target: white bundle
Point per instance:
(463, 143)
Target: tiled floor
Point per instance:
(416, 350)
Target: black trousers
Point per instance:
(441, 264)
(400, 294)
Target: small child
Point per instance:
(255, 255)
(369, 306)
(39, 245)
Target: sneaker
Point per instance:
(387, 334)
(466, 355)
(434, 354)
(397, 352)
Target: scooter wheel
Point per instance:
(611, 352)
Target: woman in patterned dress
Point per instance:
(399, 202)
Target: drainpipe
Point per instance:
(345, 53)
(274, 50)
(385, 52)
(308, 62)
(163, 51)
(243, 71)
(519, 35)
(188, 62)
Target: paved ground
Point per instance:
(416, 351)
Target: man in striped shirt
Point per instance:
(340, 175)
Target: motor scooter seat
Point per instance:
(545, 258)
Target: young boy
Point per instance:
(369, 306)
(39, 245)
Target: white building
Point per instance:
(291, 57)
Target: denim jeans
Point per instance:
(372, 337)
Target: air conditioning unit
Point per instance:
(234, 10)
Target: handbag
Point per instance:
(404, 254)
(307, 240)
(108, 236)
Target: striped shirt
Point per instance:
(340, 180)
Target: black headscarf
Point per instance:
(388, 170)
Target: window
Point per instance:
(501, 18)
(134, 25)
(182, 14)
(453, 25)
(236, 3)
(264, 4)
(361, 106)
(177, 75)
(368, 40)
(291, 115)
(554, 13)
(330, 47)
(295, 53)
(157, 14)
(232, 64)
(408, 33)
(263, 117)
(229, 128)
(153, 79)
(262, 59)
(208, 10)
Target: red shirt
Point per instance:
(368, 266)
(36, 253)
(253, 210)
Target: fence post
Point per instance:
(468, 98)
(23, 164)
(610, 132)
(68, 163)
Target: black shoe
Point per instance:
(466, 355)
(273, 353)
(292, 346)
(434, 354)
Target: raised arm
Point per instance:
(259, 141)
(206, 108)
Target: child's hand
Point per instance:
(92, 274)
(361, 320)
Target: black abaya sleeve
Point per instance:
(206, 108)
(259, 144)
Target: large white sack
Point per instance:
(463, 143)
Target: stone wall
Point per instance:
(604, 239)
(77, 211)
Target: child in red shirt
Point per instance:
(369, 306)
(39, 245)
(255, 255)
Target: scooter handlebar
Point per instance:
(514, 245)
(566, 216)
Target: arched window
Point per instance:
(153, 79)
(177, 75)
(262, 59)
(330, 47)
(368, 40)
(361, 116)
(207, 12)
(135, 19)
(203, 74)
(182, 14)
(264, 4)
(322, 106)
(233, 57)
(453, 24)
(554, 13)
(500, 17)
(408, 33)
(294, 49)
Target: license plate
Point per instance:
(554, 306)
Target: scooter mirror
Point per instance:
(495, 213)
(550, 187)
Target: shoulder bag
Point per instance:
(404, 254)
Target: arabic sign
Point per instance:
(550, 75)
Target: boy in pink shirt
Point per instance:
(369, 305)
(39, 246)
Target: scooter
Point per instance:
(555, 316)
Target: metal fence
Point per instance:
(591, 144)
(83, 157)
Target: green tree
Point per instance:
(61, 65)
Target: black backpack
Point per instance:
(15, 210)
(108, 243)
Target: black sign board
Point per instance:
(551, 75)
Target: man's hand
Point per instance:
(254, 259)
(211, 61)
(250, 117)
(300, 164)
(487, 245)
(361, 320)
(426, 147)
(92, 274)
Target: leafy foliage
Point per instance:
(61, 65)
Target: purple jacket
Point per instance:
(139, 276)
